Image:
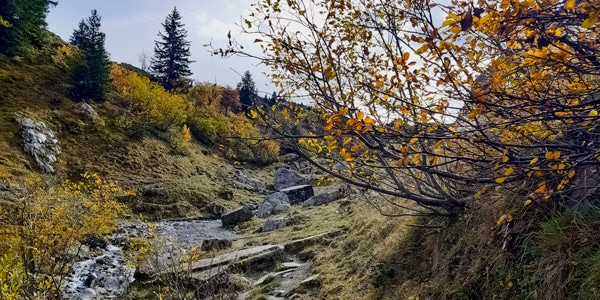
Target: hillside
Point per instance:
(496, 248)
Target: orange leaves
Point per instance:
(347, 156)
(552, 155)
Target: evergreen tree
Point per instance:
(91, 76)
(170, 63)
(22, 24)
(247, 91)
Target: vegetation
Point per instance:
(23, 25)
(170, 63)
(247, 89)
(436, 113)
(91, 75)
(41, 233)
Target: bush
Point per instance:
(40, 234)
(151, 98)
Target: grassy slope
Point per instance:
(120, 145)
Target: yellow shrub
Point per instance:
(150, 97)
(41, 232)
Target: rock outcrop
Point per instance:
(237, 216)
(299, 193)
(323, 198)
(285, 178)
(274, 224)
(39, 141)
(275, 203)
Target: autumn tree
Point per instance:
(91, 77)
(171, 61)
(499, 93)
(230, 100)
(247, 89)
(22, 24)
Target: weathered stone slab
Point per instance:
(275, 203)
(285, 178)
(240, 215)
(299, 193)
(273, 224)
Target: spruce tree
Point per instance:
(247, 91)
(170, 63)
(22, 24)
(91, 76)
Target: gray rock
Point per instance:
(299, 193)
(87, 110)
(285, 178)
(252, 183)
(275, 203)
(324, 198)
(215, 244)
(39, 142)
(273, 224)
(237, 216)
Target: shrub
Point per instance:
(40, 234)
(151, 98)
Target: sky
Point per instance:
(131, 26)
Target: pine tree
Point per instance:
(23, 24)
(247, 91)
(170, 63)
(91, 76)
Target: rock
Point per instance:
(324, 198)
(87, 110)
(290, 157)
(275, 203)
(299, 193)
(240, 215)
(252, 183)
(285, 178)
(215, 244)
(39, 142)
(273, 224)
(105, 276)
(311, 281)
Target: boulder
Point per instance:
(299, 193)
(39, 142)
(285, 178)
(237, 216)
(275, 203)
(215, 244)
(87, 110)
(324, 198)
(273, 224)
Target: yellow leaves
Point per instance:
(571, 174)
(505, 217)
(500, 180)
(369, 121)
(541, 188)
(570, 4)
(347, 156)
(253, 114)
(593, 113)
(552, 155)
(186, 135)
(509, 171)
(413, 140)
(528, 202)
(592, 19)
(422, 49)
(534, 160)
(360, 115)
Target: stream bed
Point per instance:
(103, 271)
